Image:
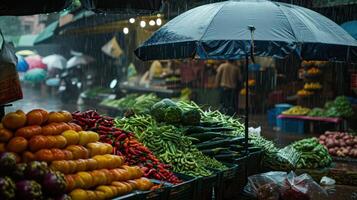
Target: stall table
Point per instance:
(299, 121)
(162, 92)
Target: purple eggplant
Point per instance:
(54, 183)
(63, 197)
(29, 190)
(7, 188)
(36, 171)
(7, 162)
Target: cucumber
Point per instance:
(229, 156)
(202, 137)
(218, 143)
(212, 144)
(201, 129)
(215, 151)
(210, 124)
(253, 149)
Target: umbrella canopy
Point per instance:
(220, 31)
(79, 60)
(35, 75)
(53, 82)
(35, 62)
(22, 65)
(55, 61)
(351, 28)
(25, 53)
(47, 33)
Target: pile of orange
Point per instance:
(92, 172)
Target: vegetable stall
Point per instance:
(174, 149)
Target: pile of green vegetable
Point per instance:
(94, 92)
(137, 103)
(216, 117)
(340, 107)
(311, 154)
(170, 145)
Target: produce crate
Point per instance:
(158, 194)
(316, 174)
(205, 186)
(291, 125)
(226, 179)
(272, 117)
(131, 196)
(185, 190)
(236, 185)
(254, 162)
(279, 108)
(343, 176)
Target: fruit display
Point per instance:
(115, 189)
(296, 110)
(312, 63)
(313, 71)
(47, 155)
(304, 93)
(125, 144)
(340, 144)
(312, 86)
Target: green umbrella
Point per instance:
(35, 75)
(47, 33)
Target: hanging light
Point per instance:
(132, 20)
(142, 24)
(158, 21)
(152, 23)
(125, 30)
(158, 15)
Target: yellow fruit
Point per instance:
(87, 179)
(83, 137)
(14, 120)
(100, 195)
(78, 194)
(101, 161)
(92, 136)
(107, 190)
(72, 137)
(91, 195)
(78, 181)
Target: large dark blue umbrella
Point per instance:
(225, 31)
(351, 28)
(219, 31)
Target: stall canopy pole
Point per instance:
(251, 52)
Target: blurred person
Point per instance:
(228, 79)
(155, 70)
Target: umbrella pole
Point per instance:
(246, 103)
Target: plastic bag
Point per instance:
(283, 186)
(255, 131)
(10, 88)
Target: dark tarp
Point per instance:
(124, 6)
(31, 7)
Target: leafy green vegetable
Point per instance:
(166, 111)
(340, 107)
(139, 104)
